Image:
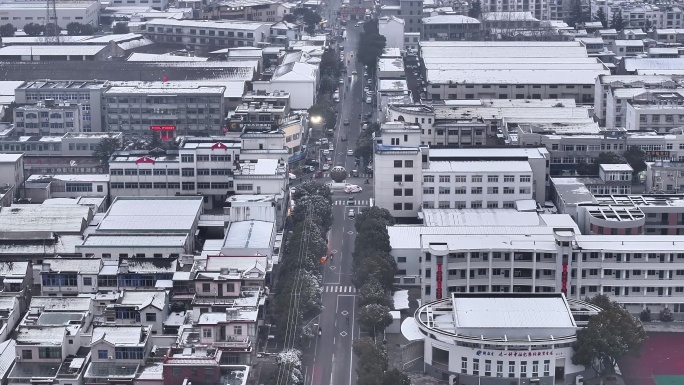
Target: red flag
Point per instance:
(166, 79)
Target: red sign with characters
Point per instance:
(439, 281)
(162, 128)
(564, 279)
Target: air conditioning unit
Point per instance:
(110, 358)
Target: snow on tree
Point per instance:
(321, 211)
(373, 292)
(375, 318)
(291, 357)
(312, 188)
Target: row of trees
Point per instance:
(73, 29)
(326, 111)
(371, 44)
(299, 279)
(374, 269)
(634, 156)
(372, 365)
(329, 69)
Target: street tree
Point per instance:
(33, 29)
(326, 112)
(7, 30)
(328, 83)
(376, 213)
(312, 188)
(52, 29)
(610, 335)
(636, 157)
(104, 150)
(300, 287)
(290, 18)
(372, 362)
(373, 292)
(121, 28)
(321, 211)
(372, 235)
(370, 48)
(617, 22)
(395, 377)
(577, 14)
(475, 9)
(378, 266)
(601, 17)
(364, 147)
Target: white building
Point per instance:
(483, 338)
(392, 28)
(48, 118)
(510, 70)
(157, 5)
(12, 170)
(87, 94)
(167, 109)
(298, 79)
(208, 35)
(408, 176)
(69, 276)
(659, 111)
(22, 12)
(110, 247)
(42, 187)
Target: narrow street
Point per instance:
(329, 360)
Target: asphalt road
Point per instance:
(329, 360)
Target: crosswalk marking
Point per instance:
(327, 175)
(338, 289)
(361, 202)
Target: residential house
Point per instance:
(118, 353)
(148, 308)
(69, 276)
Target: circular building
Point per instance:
(500, 338)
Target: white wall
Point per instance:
(393, 31)
(302, 93)
(20, 16)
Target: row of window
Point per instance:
(189, 158)
(160, 100)
(487, 372)
(476, 178)
(473, 205)
(57, 96)
(172, 171)
(473, 190)
(202, 32)
(45, 125)
(44, 114)
(185, 186)
(505, 86)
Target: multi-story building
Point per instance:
(540, 9)
(613, 92)
(129, 346)
(659, 111)
(213, 167)
(170, 111)
(22, 12)
(208, 35)
(87, 94)
(157, 5)
(49, 119)
(450, 27)
(12, 171)
(408, 176)
(665, 176)
(637, 271)
(252, 10)
(43, 187)
(509, 70)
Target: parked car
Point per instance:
(341, 80)
(346, 122)
(350, 152)
(369, 99)
(292, 176)
(354, 72)
(326, 152)
(326, 167)
(324, 140)
(351, 214)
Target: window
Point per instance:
(27, 354)
(509, 178)
(523, 368)
(476, 367)
(397, 178)
(476, 190)
(525, 178)
(408, 163)
(206, 288)
(547, 364)
(511, 368)
(128, 353)
(397, 192)
(87, 281)
(206, 333)
(499, 368)
(535, 368)
(51, 352)
(397, 206)
(151, 317)
(397, 164)
(476, 179)
(237, 330)
(187, 158)
(464, 365)
(445, 178)
(408, 178)
(444, 190)
(488, 368)
(493, 178)
(408, 206)
(102, 354)
(408, 192)
(428, 179)
(428, 190)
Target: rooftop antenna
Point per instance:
(51, 26)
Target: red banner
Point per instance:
(439, 281)
(162, 128)
(564, 279)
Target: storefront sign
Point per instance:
(439, 281)
(542, 353)
(162, 128)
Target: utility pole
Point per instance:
(51, 26)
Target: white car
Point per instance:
(330, 147)
(369, 99)
(352, 189)
(366, 89)
(292, 176)
(326, 152)
(326, 167)
(350, 152)
(324, 141)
